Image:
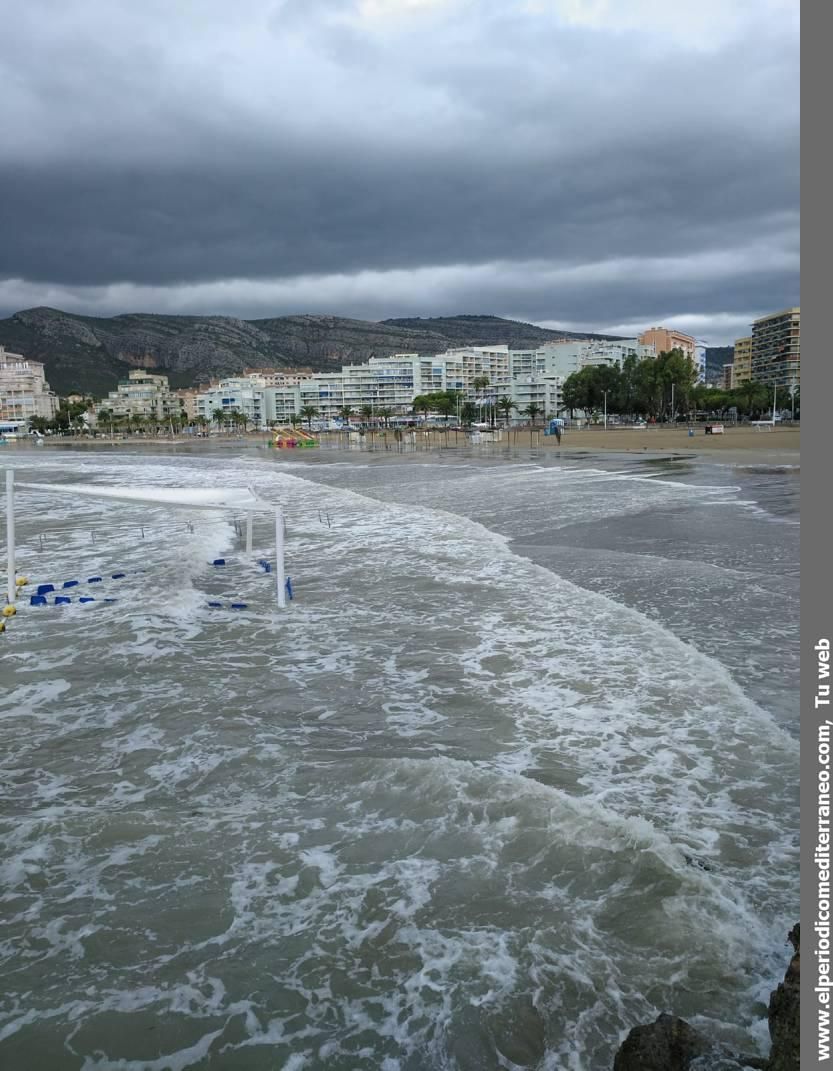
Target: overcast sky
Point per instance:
(588, 164)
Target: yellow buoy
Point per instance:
(9, 611)
(2, 626)
(22, 581)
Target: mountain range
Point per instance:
(89, 354)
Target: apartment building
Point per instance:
(541, 389)
(742, 366)
(393, 382)
(727, 380)
(664, 340)
(142, 394)
(235, 394)
(24, 392)
(776, 349)
(188, 398)
(478, 363)
(564, 357)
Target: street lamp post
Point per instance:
(605, 394)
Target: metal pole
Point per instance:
(11, 590)
(249, 533)
(774, 395)
(280, 571)
(605, 393)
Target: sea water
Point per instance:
(515, 770)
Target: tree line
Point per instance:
(661, 388)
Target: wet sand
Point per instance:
(737, 443)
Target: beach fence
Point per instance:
(235, 501)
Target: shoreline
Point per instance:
(736, 445)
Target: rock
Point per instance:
(669, 1044)
(672, 1044)
(784, 1013)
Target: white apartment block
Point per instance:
(142, 394)
(236, 394)
(564, 358)
(24, 392)
(481, 362)
(542, 389)
(391, 383)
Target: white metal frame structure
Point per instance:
(229, 499)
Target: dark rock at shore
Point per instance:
(784, 1013)
(672, 1044)
(669, 1044)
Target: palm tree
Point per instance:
(422, 404)
(532, 411)
(366, 412)
(480, 383)
(345, 412)
(106, 415)
(506, 405)
(468, 413)
(308, 412)
(219, 417)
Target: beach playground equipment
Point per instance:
(233, 499)
(292, 437)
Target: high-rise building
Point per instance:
(728, 379)
(743, 361)
(776, 349)
(24, 392)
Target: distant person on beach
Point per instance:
(557, 430)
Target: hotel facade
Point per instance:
(24, 392)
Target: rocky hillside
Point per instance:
(89, 354)
(485, 330)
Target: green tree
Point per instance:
(422, 404)
(533, 411)
(308, 412)
(571, 394)
(468, 413)
(506, 405)
(751, 398)
(345, 412)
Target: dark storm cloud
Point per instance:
(180, 157)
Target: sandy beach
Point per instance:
(735, 444)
